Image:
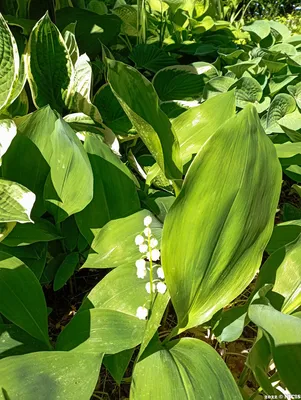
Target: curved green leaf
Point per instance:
(281, 105)
(151, 57)
(65, 193)
(186, 369)
(65, 271)
(207, 268)
(148, 119)
(183, 82)
(115, 242)
(97, 331)
(247, 90)
(16, 202)
(21, 297)
(49, 375)
(196, 125)
(9, 63)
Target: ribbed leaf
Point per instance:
(215, 232)
(185, 369)
(9, 63)
(140, 102)
(49, 65)
(16, 202)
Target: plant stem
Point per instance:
(150, 269)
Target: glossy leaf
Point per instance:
(21, 297)
(49, 65)
(283, 332)
(281, 105)
(65, 270)
(9, 63)
(60, 375)
(247, 90)
(16, 202)
(151, 57)
(200, 276)
(184, 369)
(146, 116)
(25, 234)
(115, 244)
(183, 82)
(107, 202)
(283, 234)
(97, 331)
(196, 125)
(68, 162)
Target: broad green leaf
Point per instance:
(25, 234)
(65, 270)
(283, 269)
(27, 159)
(241, 67)
(70, 233)
(16, 202)
(118, 363)
(8, 131)
(202, 273)
(20, 106)
(68, 162)
(148, 119)
(9, 63)
(98, 7)
(281, 105)
(196, 125)
(280, 31)
(289, 153)
(200, 7)
(49, 65)
(217, 85)
(151, 57)
(231, 324)
(258, 361)
(284, 49)
(295, 91)
(291, 212)
(115, 244)
(91, 29)
(111, 111)
(5, 229)
(283, 332)
(51, 375)
(183, 82)
(15, 341)
(97, 331)
(278, 82)
(111, 178)
(283, 234)
(120, 290)
(21, 297)
(258, 29)
(185, 369)
(128, 15)
(247, 90)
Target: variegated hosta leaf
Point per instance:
(16, 202)
(9, 63)
(8, 131)
(70, 41)
(216, 231)
(48, 64)
(79, 93)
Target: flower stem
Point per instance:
(150, 269)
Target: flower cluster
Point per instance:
(148, 248)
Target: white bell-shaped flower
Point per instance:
(153, 243)
(147, 231)
(139, 239)
(155, 254)
(142, 312)
(140, 263)
(143, 248)
(148, 287)
(160, 273)
(141, 271)
(147, 220)
(161, 287)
